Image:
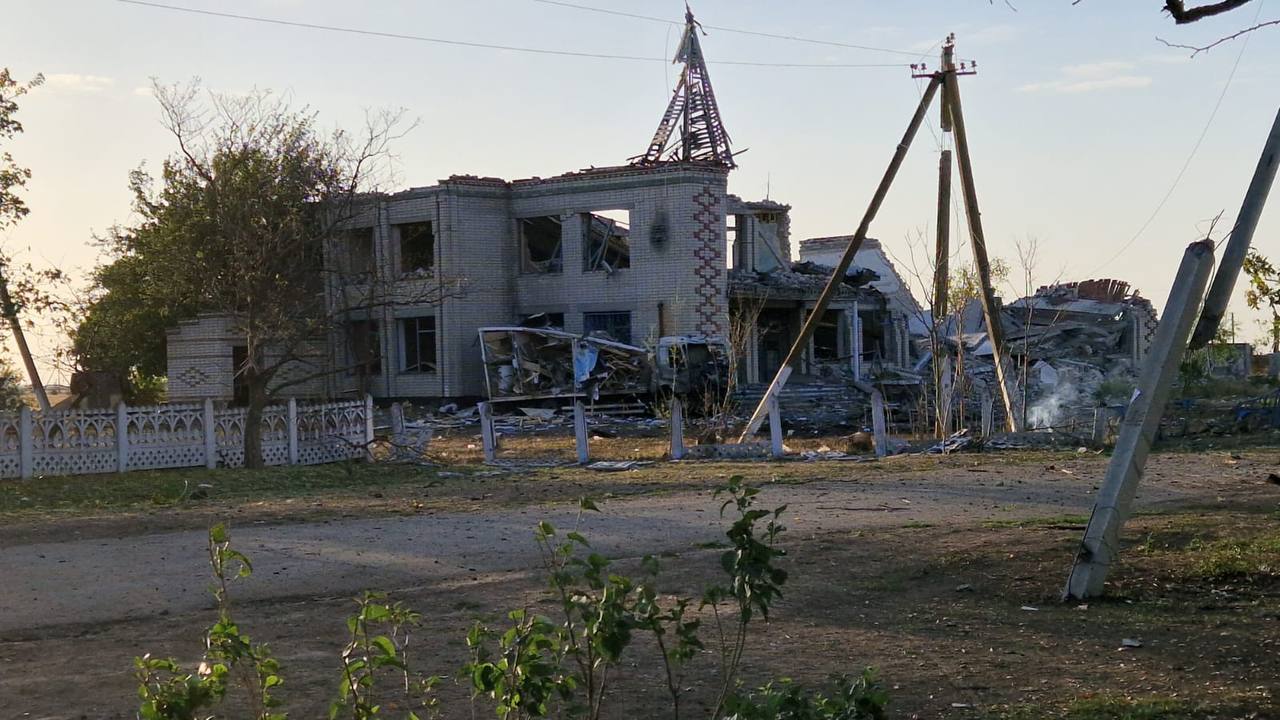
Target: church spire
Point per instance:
(692, 110)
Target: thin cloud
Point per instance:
(1091, 77)
(77, 83)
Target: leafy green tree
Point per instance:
(236, 224)
(1264, 291)
(11, 395)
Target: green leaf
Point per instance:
(218, 533)
(587, 503)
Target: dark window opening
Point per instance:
(417, 247)
(606, 241)
(365, 347)
(826, 337)
(873, 336)
(543, 320)
(614, 325)
(540, 247)
(418, 336)
(359, 248)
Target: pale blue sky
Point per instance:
(1079, 119)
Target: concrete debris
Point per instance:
(541, 363)
(618, 466)
(958, 441)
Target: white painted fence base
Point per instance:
(175, 436)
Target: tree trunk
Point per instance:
(253, 421)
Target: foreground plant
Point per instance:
(231, 660)
(536, 667)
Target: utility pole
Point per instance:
(941, 258)
(1137, 430)
(944, 79)
(10, 311)
(995, 328)
(837, 276)
(1224, 281)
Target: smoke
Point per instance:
(1061, 393)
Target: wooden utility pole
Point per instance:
(995, 329)
(10, 311)
(837, 276)
(941, 259)
(946, 80)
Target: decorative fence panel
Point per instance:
(174, 436)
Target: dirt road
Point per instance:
(876, 556)
(108, 579)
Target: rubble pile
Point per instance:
(535, 363)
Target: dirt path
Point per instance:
(109, 579)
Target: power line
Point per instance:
(775, 36)
(1194, 149)
(486, 46)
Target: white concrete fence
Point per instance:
(174, 436)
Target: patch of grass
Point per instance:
(1249, 559)
(917, 525)
(86, 494)
(1037, 522)
(710, 545)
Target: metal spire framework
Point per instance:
(692, 109)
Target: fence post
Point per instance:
(677, 428)
(878, 430)
(775, 427)
(25, 441)
(210, 437)
(487, 437)
(580, 431)
(369, 418)
(293, 431)
(122, 437)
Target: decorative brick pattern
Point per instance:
(710, 267)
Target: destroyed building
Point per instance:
(631, 253)
(1075, 345)
(862, 333)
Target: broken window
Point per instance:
(417, 247)
(540, 246)
(826, 337)
(543, 320)
(364, 347)
(616, 325)
(606, 241)
(359, 251)
(418, 344)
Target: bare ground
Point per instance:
(877, 554)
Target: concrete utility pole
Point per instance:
(1224, 282)
(837, 277)
(1124, 472)
(10, 311)
(995, 329)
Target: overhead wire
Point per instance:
(1191, 156)
(481, 45)
(720, 28)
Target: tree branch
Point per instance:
(1182, 15)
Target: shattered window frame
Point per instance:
(553, 264)
(553, 320)
(417, 243)
(615, 324)
(604, 248)
(418, 345)
(358, 251)
(829, 324)
(364, 347)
